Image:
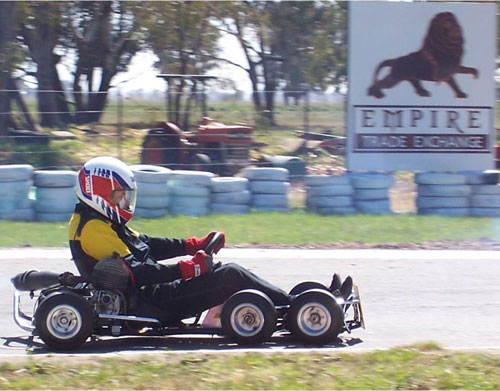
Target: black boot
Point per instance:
(336, 284)
(346, 288)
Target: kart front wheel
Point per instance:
(315, 317)
(64, 321)
(249, 317)
(305, 286)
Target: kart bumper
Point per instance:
(22, 320)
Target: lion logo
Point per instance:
(438, 60)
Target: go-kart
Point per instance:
(69, 309)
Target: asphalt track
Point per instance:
(450, 297)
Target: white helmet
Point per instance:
(107, 185)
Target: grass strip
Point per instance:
(296, 227)
(423, 367)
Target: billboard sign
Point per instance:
(421, 86)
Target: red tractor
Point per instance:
(215, 147)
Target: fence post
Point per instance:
(119, 124)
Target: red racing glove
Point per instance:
(196, 266)
(195, 244)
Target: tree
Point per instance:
(301, 44)
(42, 28)
(7, 34)
(104, 34)
(184, 38)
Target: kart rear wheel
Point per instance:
(249, 317)
(64, 321)
(305, 286)
(315, 317)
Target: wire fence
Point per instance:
(131, 126)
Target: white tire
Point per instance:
(150, 213)
(51, 206)
(371, 181)
(150, 173)
(485, 201)
(230, 209)
(201, 178)
(346, 210)
(371, 194)
(16, 172)
(236, 198)
(62, 178)
(25, 214)
(52, 217)
(187, 202)
(457, 212)
(266, 174)
(270, 200)
(373, 207)
(229, 184)
(14, 189)
(8, 205)
(488, 177)
(442, 202)
(330, 190)
(327, 180)
(152, 189)
(190, 210)
(444, 190)
(485, 189)
(439, 178)
(269, 187)
(188, 190)
(55, 194)
(153, 202)
(330, 201)
(270, 209)
(484, 212)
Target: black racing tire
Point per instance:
(249, 317)
(305, 286)
(315, 317)
(64, 321)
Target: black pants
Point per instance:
(186, 298)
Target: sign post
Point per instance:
(421, 86)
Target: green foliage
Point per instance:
(293, 228)
(401, 368)
(55, 154)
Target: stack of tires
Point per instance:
(444, 194)
(329, 194)
(190, 192)
(269, 188)
(485, 193)
(230, 195)
(371, 192)
(55, 194)
(15, 185)
(152, 190)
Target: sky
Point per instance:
(141, 75)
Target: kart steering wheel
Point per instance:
(216, 239)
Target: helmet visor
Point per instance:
(125, 199)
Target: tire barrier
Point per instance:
(152, 190)
(230, 195)
(269, 188)
(190, 192)
(15, 186)
(55, 194)
(371, 192)
(296, 166)
(464, 193)
(329, 194)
